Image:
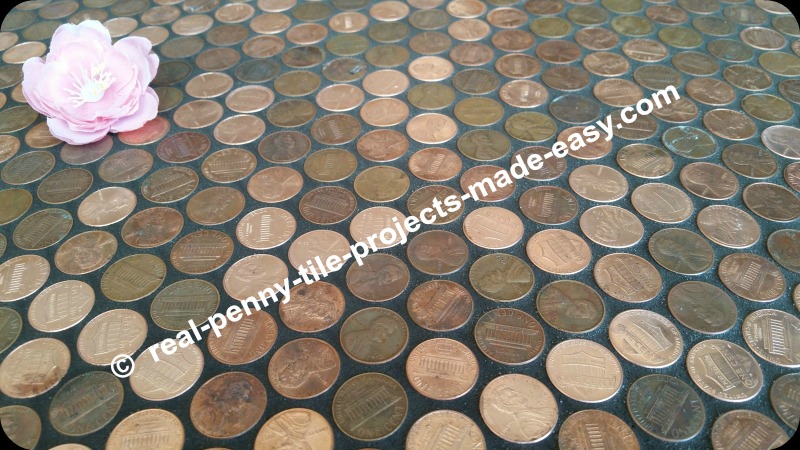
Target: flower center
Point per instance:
(90, 86)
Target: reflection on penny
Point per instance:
(508, 398)
(442, 369)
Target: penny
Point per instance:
(524, 93)
(570, 306)
(734, 428)
(644, 161)
(340, 97)
(19, 378)
(155, 424)
(382, 145)
(471, 54)
(247, 276)
(427, 196)
(215, 205)
(681, 251)
(702, 307)
(435, 164)
(216, 59)
(297, 83)
(709, 181)
(335, 129)
(85, 252)
(435, 428)
(473, 182)
(772, 202)
(381, 184)
(369, 406)
(21, 425)
(588, 151)
(229, 165)
(550, 169)
(689, 142)
(597, 39)
(770, 333)
(440, 305)
(182, 301)
(239, 130)
(724, 370)
(575, 108)
(783, 247)
(275, 184)
(17, 118)
(121, 167)
(322, 243)
(645, 338)
(379, 278)
(548, 205)
(501, 277)
(304, 368)
(578, 430)
(627, 277)
(598, 183)
(284, 147)
(332, 164)
(752, 277)
(42, 229)
(106, 206)
(654, 396)
(750, 161)
(228, 405)
(729, 124)
(86, 403)
(509, 336)
(201, 252)
(9, 146)
(295, 426)
(159, 381)
(728, 226)
(780, 140)
(747, 77)
(584, 370)
(258, 47)
(606, 64)
(27, 167)
(183, 147)
(780, 63)
(245, 340)
(789, 89)
(493, 228)
(313, 308)
(564, 78)
(257, 70)
(345, 70)
(768, 108)
(113, 332)
(206, 85)
(61, 306)
(558, 252)
(662, 203)
(10, 327)
(327, 205)
(155, 34)
(39, 136)
(437, 252)
(249, 99)
(508, 398)
(149, 133)
(782, 395)
(170, 184)
(431, 128)
(133, 277)
(374, 335)
(430, 42)
(680, 111)
(442, 369)
(611, 226)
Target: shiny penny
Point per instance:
(85, 252)
(558, 252)
(709, 362)
(728, 226)
(442, 369)
(21, 379)
(169, 377)
(109, 334)
(752, 277)
(769, 332)
(155, 424)
(645, 338)
(152, 227)
(313, 307)
(245, 279)
(244, 341)
(566, 367)
(738, 427)
(295, 426)
(507, 396)
(627, 277)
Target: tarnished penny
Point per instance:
(169, 377)
(445, 427)
(728, 226)
(333, 164)
(501, 277)
(304, 368)
(584, 370)
(34, 368)
(228, 405)
(201, 252)
(275, 184)
(152, 227)
(425, 197)
(571, 306)
(182, 301)
(42, 229)
(27, 167)
(740, 428)
(382, 145)
(170, 184)
(783, 396)
(442, 369)
(380, 184)
(681, 251)
(548, 205)
(702, 307)
(229, 165)
(244, 341)
(215, 205)
(509, 336)
(379, 278)
(709, 181)
(771, 334)
(518, 408)
(437, 252)
(750, 161)
(22, 425)
(149, 424)
(666, 408)
(293, 427)
(10, 327)
(724, 370)
(125, 166)
(183, 147)
(85, 252)
(558, 252)
(370, 406)
(752, 277)
(627, 277)
(645, 338)
(435, 164)
(133, 277)
(662, 203)
(86, 403)
(584, 428)
(284, 147)
(784, 247)
(314, 307)
(64, 186)
(321, 243)
(493, 228)
(440, 305)
(772, 202)
(611, 226)
(106, 206)
(113, 332)
(374, 335)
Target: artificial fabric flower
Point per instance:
(88, 87)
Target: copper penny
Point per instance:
(313, 307)
(215, 205)
(113, 332)
(15, 203)
(106, 206)
(379, 278)
(39, 137)
(709, 360)
(239, 130)
(550, 168)
(183, 147)
(598, 183)
(783, 247)
(133, 277)
(507, 397)
(566, 367)
(627, 277)
(169, 377)
(752, 277)
(493, 228)
(728, 226)
(22, 425)
(424, 198)
(152, 227)
(125, 166)
(95, 397)
(335, 129)
(170, 184)
(374, 335)
(156, 424)
(22, 276)
(322, 243)
(435, 164)
(772, 346)
(645, 338)
(611, 226)
(780, 140)
(228, 405)
(473, 183)
(772, 202)
(201, 252)
(385, 83)
(431, 128)
(295, 426)
(304, 368)
(382, 145)
(702, 307)
(588, 150)
(42, 229)
(219, 58)
(182, 301)
(368, 226)
(265, 228)
(61, 306)
(606, 64)
(149, 133)
(207, 85)
(740, 425)
(432, 429)
(246, 277)
(577, 430)
(781, 395)
(85, 252)
(291, 113)
(509, 336)
(275, 184)
(442, 369)
(21, 379)
(681, 251)
(662, 203)
(284, 147)
(339, 97)
(27, 167)
(571, 306)
(440, 305)
(597, 39)
(244, 341)
(381, 184)
(229, 165)
(370, 406)
(512, 40)
(249, 99)
(437, 252)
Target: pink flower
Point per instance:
(88, 87)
